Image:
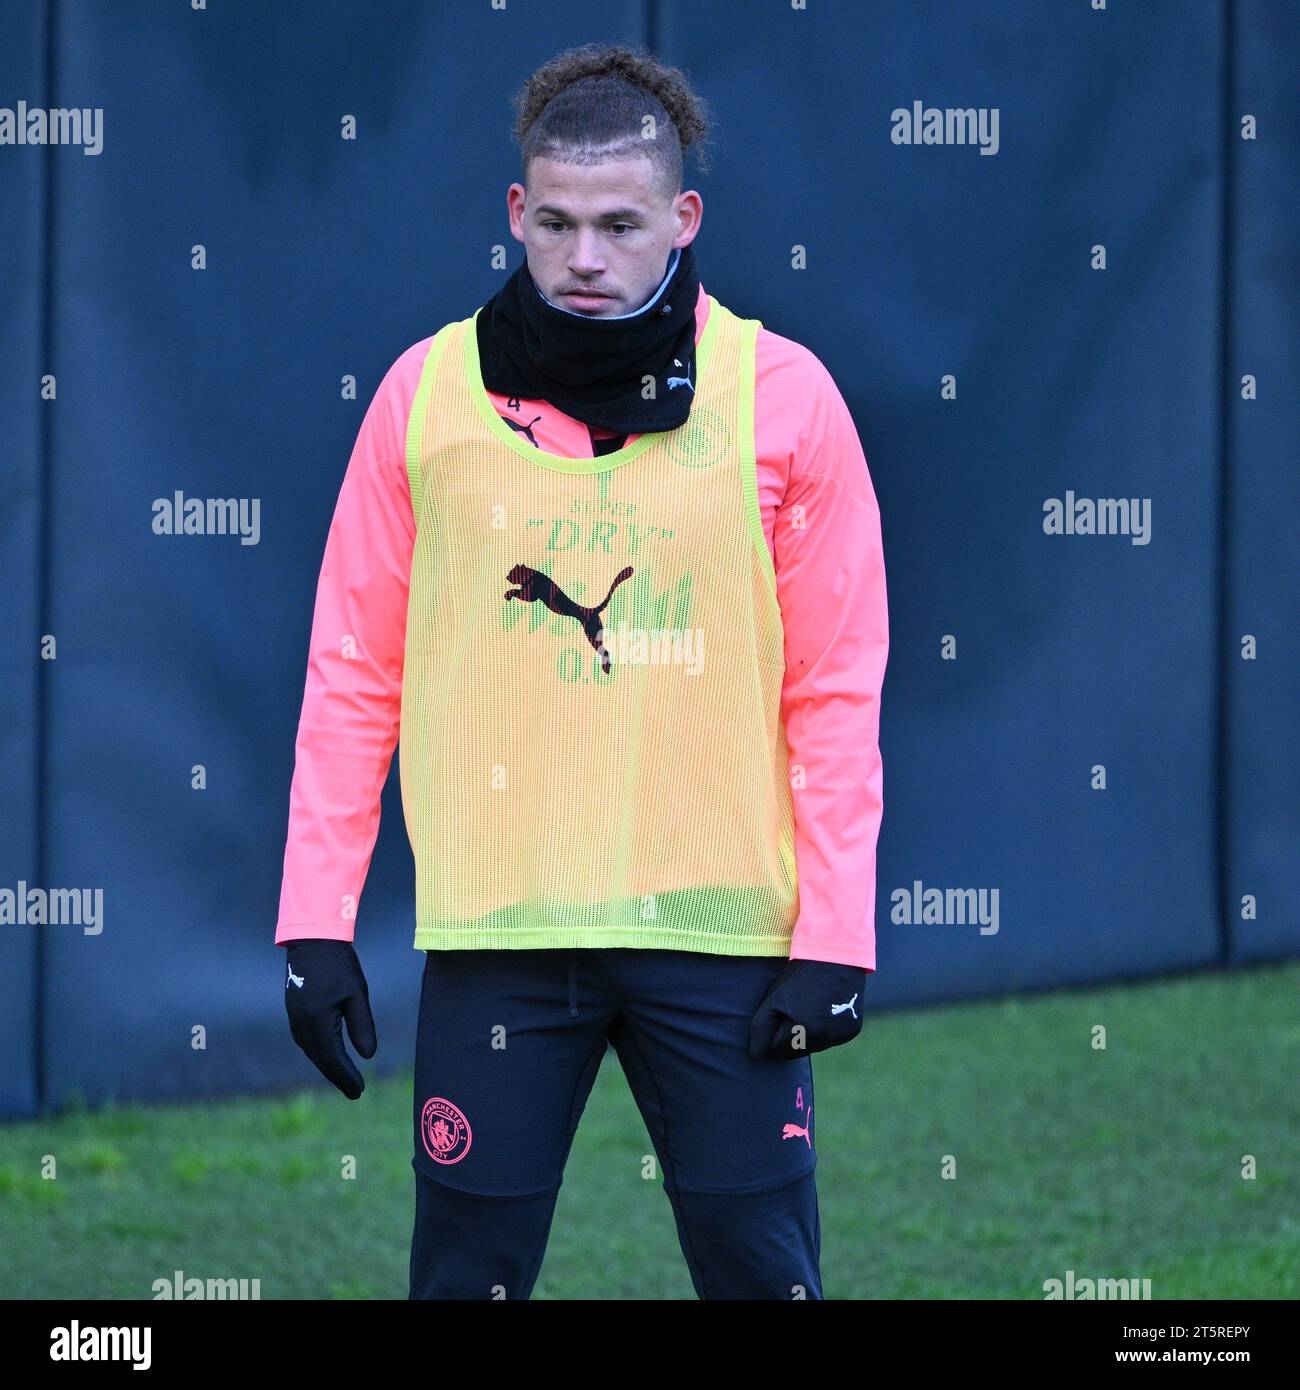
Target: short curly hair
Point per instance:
(609, 101)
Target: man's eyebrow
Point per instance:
(618, 215)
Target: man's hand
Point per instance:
(813, 1005)
(324, 986)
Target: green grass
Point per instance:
(1118, 1163)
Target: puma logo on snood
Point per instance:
(534, 585)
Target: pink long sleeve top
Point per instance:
(822, 527)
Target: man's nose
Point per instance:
(586, 258)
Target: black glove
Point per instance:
(821, 998)
(324, 986)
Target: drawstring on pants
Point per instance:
(573, 984)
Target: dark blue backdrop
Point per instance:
(1119, 127)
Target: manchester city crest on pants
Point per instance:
(445, 1131)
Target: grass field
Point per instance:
(1119, 1163)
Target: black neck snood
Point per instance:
(593, 369)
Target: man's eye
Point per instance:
(628, 225)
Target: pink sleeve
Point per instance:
(351, 707)
(830, 574)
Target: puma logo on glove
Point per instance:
(804, 1011)
(317, 1011)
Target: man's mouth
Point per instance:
(588, 296)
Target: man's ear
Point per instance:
(516, 206)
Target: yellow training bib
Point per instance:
(592, 751)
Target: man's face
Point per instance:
(599, 228)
